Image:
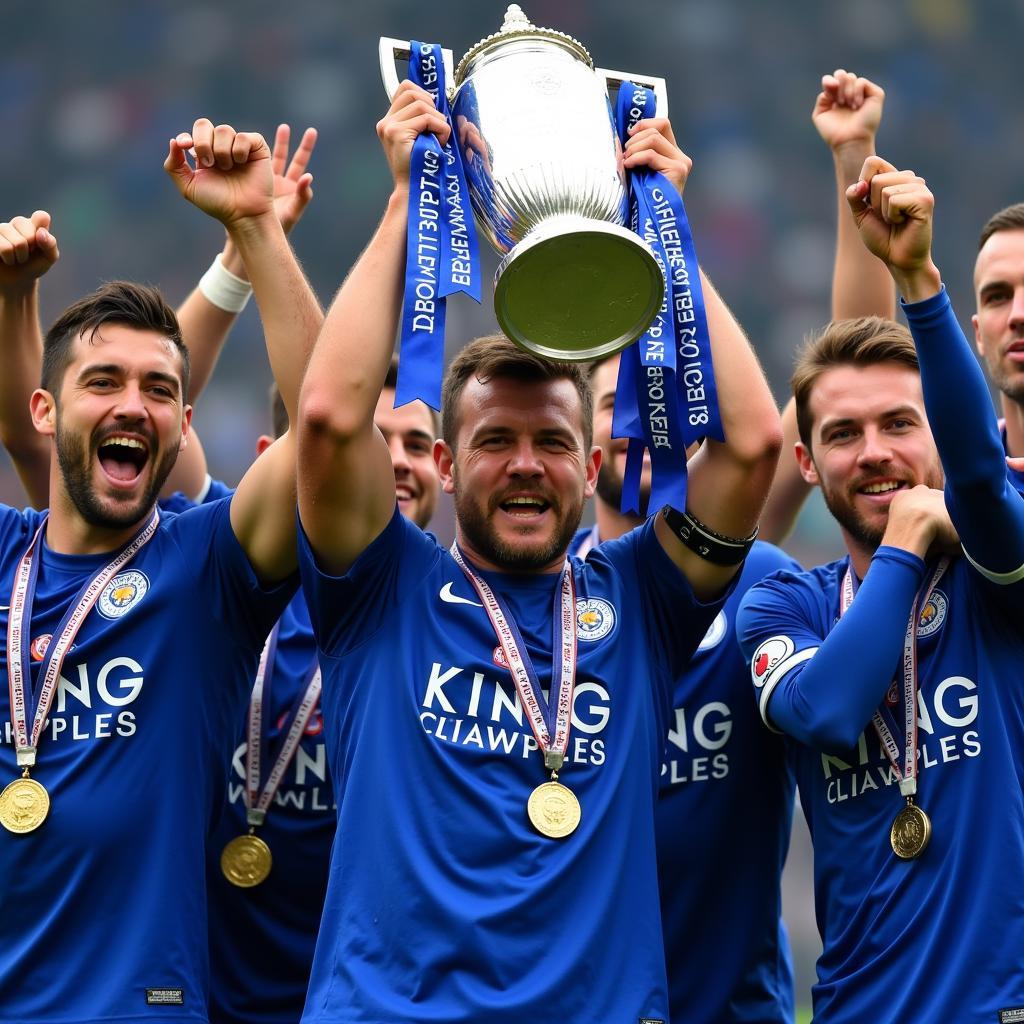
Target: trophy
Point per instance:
(533, 122)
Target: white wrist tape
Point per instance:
(224, 289)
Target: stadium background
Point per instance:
(90, 94)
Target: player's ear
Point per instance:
(978, 343)
(806, 462)
(43, 407)
(444, 460)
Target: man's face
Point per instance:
(118, 423)
(613, 450)
(999, 320)
(409, 432)
(869, 439)
(520, 474)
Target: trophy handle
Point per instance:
(398, 49)
(616, 78)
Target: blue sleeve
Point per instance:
(817, 682)
(348, 610)
(675, 621)
(983, 502)
(226, 580)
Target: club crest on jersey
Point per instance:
(37, 649)
(498, 657)
(122, 593)
(769, 656)
(595, 619)
(715, 634)
(933, 614)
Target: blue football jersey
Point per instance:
(726, 780)
(103, 908)
(443, 903)
(1016, 478)
(262, 939)
(940, 937)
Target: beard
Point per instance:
(475, 522)
(609, 487)
(75, 467)
(867, 533)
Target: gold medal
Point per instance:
(24, 805)
(246, 861)
(910, 832)
(554, 810)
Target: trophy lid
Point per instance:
(518, 26)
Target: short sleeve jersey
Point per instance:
(262, 938)
(103, 908)
(443, 903)
(939, 937)
(724, 779)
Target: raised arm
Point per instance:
(893, 211)
(233, 181)
(210, 310)
(27, 251)
(728, 481)
(847, 113)
(346, 478)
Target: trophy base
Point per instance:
(577, 289)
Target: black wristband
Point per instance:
(705, 542)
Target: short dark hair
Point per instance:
(391, 384)
(138, 306)
(1010, 218)
(495, 356)
(278, 413)
(865, 341)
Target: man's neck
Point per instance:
(1013, 413)
(611, 523)
(68, 533)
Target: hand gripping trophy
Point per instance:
(543, 164)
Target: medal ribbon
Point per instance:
(442, 253)
(666, 398)
(908, 776)
(19, 674)
(257, 801)
(549, 721)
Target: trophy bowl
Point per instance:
(544, 166)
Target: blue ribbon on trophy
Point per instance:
(442, 254)
(666, 398)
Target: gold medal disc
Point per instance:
(554, 810)
(910, 832)
(246, 861)
(24, 805)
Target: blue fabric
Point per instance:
(940, 937)
(262, 939)
(442, 254)
(445, 905)
(135, 758)
(983, 501)
(666, 397)
(804, 702)
(723, 820)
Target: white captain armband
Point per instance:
(1003, 579)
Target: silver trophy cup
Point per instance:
(544, 166)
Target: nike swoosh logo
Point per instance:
(448, 597)
(5, 607)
